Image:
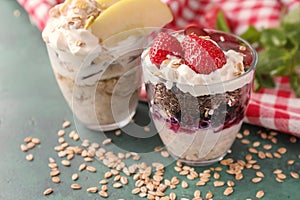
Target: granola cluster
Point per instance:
(78, 14)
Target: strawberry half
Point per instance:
(163, 45)
(202, 55)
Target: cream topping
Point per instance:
(174, 71)
(68, 26)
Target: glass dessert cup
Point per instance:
(102, 87)
(198, 123)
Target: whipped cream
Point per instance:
(173, 71)
(67, 29)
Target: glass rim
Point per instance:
(250, 69)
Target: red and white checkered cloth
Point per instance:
(275, 108)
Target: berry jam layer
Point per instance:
(185, 113)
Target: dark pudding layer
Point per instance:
(184, 111)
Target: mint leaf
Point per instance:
(273, 38)
(252, 35)
(271, 58)
(222, 23)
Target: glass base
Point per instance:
(202, 163)
(110, 127)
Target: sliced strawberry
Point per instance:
(195, 29)
(163, 45)
(227, 42)
(202, 55)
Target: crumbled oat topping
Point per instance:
(76, 14)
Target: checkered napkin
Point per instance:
(275, 108)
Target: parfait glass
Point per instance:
(198, 123)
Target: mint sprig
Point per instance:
(278, 50)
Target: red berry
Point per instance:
(195, 29)
(202, 55)
(230, 42)
(163, 45)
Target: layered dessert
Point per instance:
(94, 47)
(198, 84)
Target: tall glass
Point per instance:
(198, 123)
(101, 88)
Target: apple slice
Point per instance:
(104, 4)
(127, 15)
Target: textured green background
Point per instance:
(31, 104)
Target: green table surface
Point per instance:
(31, 105)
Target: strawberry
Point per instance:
(195, 29)
(202, 55)
(163, 45)
(230, 42)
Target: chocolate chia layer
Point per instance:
(218, 111)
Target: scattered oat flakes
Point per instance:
(30, 145)
(245, 141)
(290, 162)
(61, 133)
(75, 176)
(256, 179)
(260, 174)
(76, 186)
(107, 174)
(117, 185)
(281, 176)
(267, 146)
(55, 179)
(256, 144)
(260, 194)
(66, 163)
(92, 189)
(253, 150)
(118, 132)
(136, 190)
(276, 155)
(103, 194)
(48, 191)
(172, 196)
(184, 184)
(103, 182)
(82, 167)
(277, 171)
(230, 183)
(295, 175)
(91, 169)
(107, 141)
(29, 157)
(209, 195)
(228, 191)
(54, 173)
(66, 124)
(218, 183)
(24, 147)
(36, 140)
(282, 150)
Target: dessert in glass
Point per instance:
(198, 84)
(94, 47)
